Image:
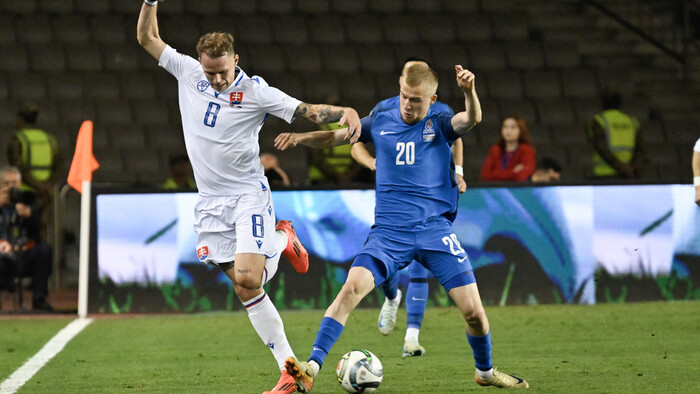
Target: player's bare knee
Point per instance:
(476, 319)
(248, 282)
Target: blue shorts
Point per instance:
(433, 244)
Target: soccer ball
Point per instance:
(359, 371)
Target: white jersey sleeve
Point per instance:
(697, 146)
(177, 63)
(275, 102)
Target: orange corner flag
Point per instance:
(84, 162)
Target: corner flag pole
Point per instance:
(80, 178)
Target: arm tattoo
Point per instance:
(320, 113)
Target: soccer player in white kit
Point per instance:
(223, 110)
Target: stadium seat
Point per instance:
(364, 29)
(386, 6)
(27, 86)
(70, 29)
(64, 86)
(122, 57)
(43, 57)
(327, 30)
(252, 30)
(400, 29)
(569, 133)
(525, 55)
(91, 7)
(166, 85)
(266, 59)
(21, 7)
(555, 111)
(83, 57)
(137, 85)
(360, 87)
(446, 55)
(289, 29)
(34, 29)
(303, 59)
(111, 164)
(541, 84)
(149, 112)
(403, 51)
(324, 86)
(98, 85)
(294, 84)
(72, 113)
(435, 29)
(453, 7)
(348, 7)
(4, 89)
(126, 137)
(127, 8)
(209, 7)
(387, 85)
(377, 58)
(504, 84)
(473, 27)
(487, 56)
(7, 30)
(580, 83)
(313, 7)
(13, 59)
(55, 7)
(522, 107)
(111, 29)
(180, 32)
(340, 58)
(560, 55)
(275, 7)
(586, 108)
(241, 7)
(114, 112)
(510, 26)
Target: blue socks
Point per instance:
(416, 298)
(481, 346)
(391, 286)
(327, 335)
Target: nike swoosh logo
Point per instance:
(462, 259)
(417, 299)
(519, 380)
(387, 132)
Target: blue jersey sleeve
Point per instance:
(367, 122)
(440, 107)
(444, 122)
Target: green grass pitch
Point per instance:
(606, 348)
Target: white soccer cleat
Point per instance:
(387, 316)
(412, 348)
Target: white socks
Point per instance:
(268, 324)
(412, 333)
(484, 375)
(272, 262)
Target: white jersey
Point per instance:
(697, 145)
(221, 129)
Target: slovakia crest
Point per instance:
(428, 131)
(236, 97)
(202, 85)
(203, 253)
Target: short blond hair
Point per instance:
(215, 44)
(421, 74)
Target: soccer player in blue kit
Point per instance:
(418, 289)
(415, 206)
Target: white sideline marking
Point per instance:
(34, 364)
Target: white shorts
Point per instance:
(230, 225)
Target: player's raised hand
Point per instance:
(465, 78)
(352, 120)
(285, 140)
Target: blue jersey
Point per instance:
(393, 102)
(414, 166)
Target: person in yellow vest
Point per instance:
(335, 166)
(180, 173)
(617, 142)
(34, 152)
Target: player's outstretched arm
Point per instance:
(313, 139)
(147, 29)
(362, 156)
(464, 121)
(324, 113)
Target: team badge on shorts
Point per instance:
(428, 131)
(202, 85)
(203, 253)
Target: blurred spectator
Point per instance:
(274, 173)
(512, 158)
(618, 149)
(180, 173)
(35, 153)
(696, 171)
(548, 170)
(22, 251)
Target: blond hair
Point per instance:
(215, 44)
(421, 74)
